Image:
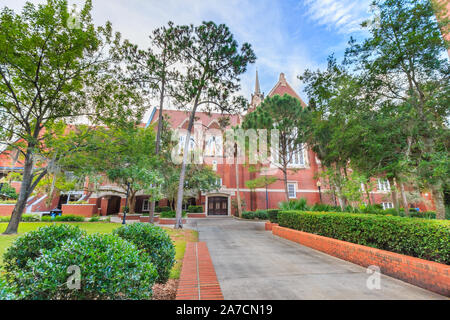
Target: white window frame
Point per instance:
(387, 205)
(182, 142)
(214, 146)
(145, 203)
(294, 196)
(383, 185)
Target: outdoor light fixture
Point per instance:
(319, 184)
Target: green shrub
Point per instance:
(5, 219)
(69, 218)
(162, 209)
(78, 202)
(30, 218)
(94, 219)
(170, 214)
(7, 291)
(153, 240)
(8, 201)
(63, 218)
(110, 268)
(426, 239)
(9, 191)
(297, 204)
(423, 215)
(258, 214)
(195, 209)
(324, 207)
(28, 246)
(273, 215)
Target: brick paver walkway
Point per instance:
(198, 280)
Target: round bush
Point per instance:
(6, 291)
(153, 240)
(29, 246)
(110, 268)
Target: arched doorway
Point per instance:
(113, 206)
(217, 206)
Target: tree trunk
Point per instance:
(179, 207)
(340, 198)
(438, 197)
(404, 199)
(394, 196)
(366, 187)
(238, 191)
(286, 190)
(132, 204)
(158, 138)
(25, 190)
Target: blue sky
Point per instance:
(287, 35)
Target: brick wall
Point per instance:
(6, 209)
(426, 274)
(84, 210)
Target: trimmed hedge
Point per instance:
(258, 214)
(162, 209)
(155, 242)
(425, 239)
(170, 214)
(273, 215)
(65, 218)
(195, 209)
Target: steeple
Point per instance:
(257, 96)
(257, 88)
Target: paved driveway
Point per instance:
(253, 264)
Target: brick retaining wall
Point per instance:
(430, 275)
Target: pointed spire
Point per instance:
(257, 88)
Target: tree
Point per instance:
(123, 156)
(50, 70)
(154, 69)
(286, 116)
(212, 63)
(403, 61)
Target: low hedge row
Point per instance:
(162, 209)
(170, 214)
(195, 209)
(425, 239)
(258, 214)
(273, 215)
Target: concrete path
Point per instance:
(251, 263)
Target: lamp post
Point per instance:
(320, 193)
(129, 180)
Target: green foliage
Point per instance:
(7, 292)
(170, 214)
(324, 208)
(195, 209)
(30, 218)
(423, 214)
(425, 239)
(64, 218)
(273, 215)
(155, 242)
(296, 204)
(28, 246)
(111, 268)
(8, 201)
(94, 219)
(258, 214)
(78, 202)
(162, 209)
(8, 192)
(5, 219)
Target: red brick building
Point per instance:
(302, 181)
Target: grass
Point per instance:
(179, 237)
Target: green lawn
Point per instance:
(178, 236)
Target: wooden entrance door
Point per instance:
(217, 206)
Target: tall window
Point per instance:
(297, 158)
(214, 146)
(145, 205)
(291, 191)
(182, 143)
(383, 185)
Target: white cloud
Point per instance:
(345, 16)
